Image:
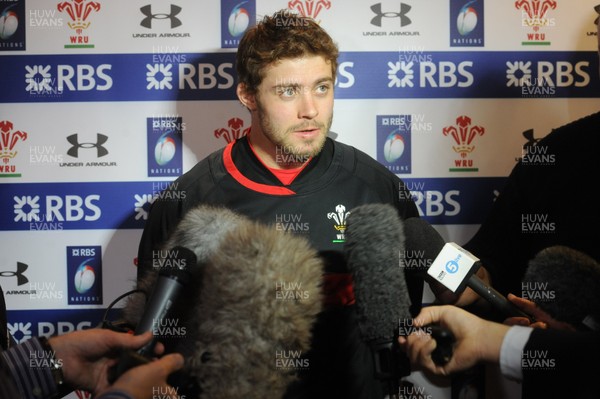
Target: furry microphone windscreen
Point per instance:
(250, 314)
(422, 242)
(565, 283)
(202, 230)
(374, 246)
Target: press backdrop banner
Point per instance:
(103, 103)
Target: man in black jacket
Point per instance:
(546, 201)
(289, 174)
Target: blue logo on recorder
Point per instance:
(452, 265)
(84, 275)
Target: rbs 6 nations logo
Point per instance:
(84, 269)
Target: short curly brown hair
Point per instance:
(283, 35)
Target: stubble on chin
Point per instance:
(316, 146)
(296, 150)
(309, 147)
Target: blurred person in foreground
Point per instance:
(546, 201)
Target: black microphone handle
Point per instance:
(390, 364)
(444, 348)
(167, 291)
(498, 300)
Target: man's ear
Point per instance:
(247, 98)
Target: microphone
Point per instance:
(200, 234)
(176, 269)
(374, 244)
(374, 241)
(249, 312)
(565, 283)
(454, 267)
(173, 277)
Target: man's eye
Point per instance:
(322, 89)
(287, 91)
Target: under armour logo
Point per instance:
(597, 9)
(404, 20)
(21, 279)
(147, 11)
(74, 151)
(531, 141)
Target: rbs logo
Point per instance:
(435, 203)
(72, 208)
(427, 73)
(206, 76)
(68, 77)
(445, 74)
(84, 77)
(69, 208)
(83, 251)
(563, 73)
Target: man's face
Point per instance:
(294, 107)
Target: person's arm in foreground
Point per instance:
(477, 340)
(85, 357)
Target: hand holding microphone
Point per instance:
(249, 309)
(375, 239)
(175, 274)
(541, 319)
(454, 267)
(144, 381)
(476, 340)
